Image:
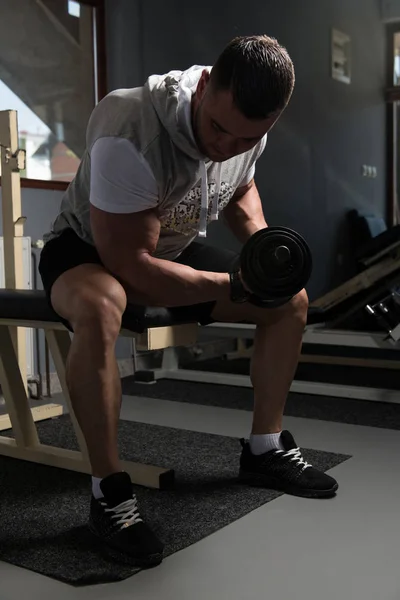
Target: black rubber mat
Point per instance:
(44, 510)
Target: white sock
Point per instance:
(96, 490)
(259, 444)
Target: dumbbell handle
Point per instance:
(239, 294)
(282, 255)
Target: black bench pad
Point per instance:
(32, 305)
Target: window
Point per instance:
(52, 71)
(396, 58)
(74, 8)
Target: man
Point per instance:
(161, 162)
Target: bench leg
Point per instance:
(14, 391)
(241, 350)
(147, 475)
(59, 344)
(39, 413)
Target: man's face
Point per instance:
(220, 129)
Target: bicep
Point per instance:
(124, 240)
(245, 204)
(123, 203)
(243, 189)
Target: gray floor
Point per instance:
(344, 548)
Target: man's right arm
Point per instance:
(126, 243)
(126, 229)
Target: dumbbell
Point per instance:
(275, 264)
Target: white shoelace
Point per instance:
(295, 456)
(127, 513)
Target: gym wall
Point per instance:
(310, 175)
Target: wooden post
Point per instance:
(14, 393)
(12, 161)
(59, 344)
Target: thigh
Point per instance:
(86, 293)
(204, 257)
(74, 278)
(63, 253)
(229, 312)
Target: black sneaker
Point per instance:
(285, 470)
(115, 519)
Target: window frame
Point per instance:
(392, 97)
(101, 68)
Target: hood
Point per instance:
(171, 95)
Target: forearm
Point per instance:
(244, 215)
(242, 225)
(158, 282)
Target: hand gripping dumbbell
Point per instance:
(274, 265)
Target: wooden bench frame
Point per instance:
(13, 377)
(26, 444)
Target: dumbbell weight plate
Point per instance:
(275, 263)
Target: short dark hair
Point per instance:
(259, 72)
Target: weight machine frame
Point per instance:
(315, 335)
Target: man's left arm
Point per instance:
(244, 213)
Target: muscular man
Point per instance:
(162, 161)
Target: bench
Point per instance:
(152, 328)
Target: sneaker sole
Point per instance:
(142, 562)
(257, 480)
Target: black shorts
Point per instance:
(68, 250)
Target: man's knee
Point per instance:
(98, 311)
(294, 311)
(298, 307)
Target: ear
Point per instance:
(203, 81)
(274, 117)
